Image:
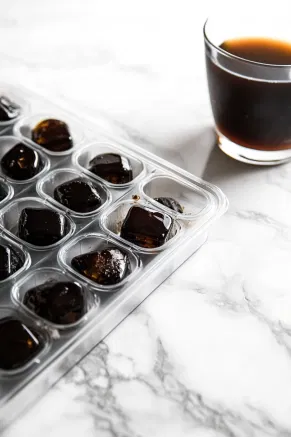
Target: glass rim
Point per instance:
(232, 56)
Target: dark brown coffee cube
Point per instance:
(112, 167)
(59, 302)
(53, 135)
(8, 110)
(146, 227)
(106, 267)
(41, 227)
(78, 195)
(10, 262)
(171, 203)
(21, 163)
(18, 344)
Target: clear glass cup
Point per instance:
(250, 101)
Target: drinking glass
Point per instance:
(251, 101)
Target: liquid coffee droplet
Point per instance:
(78, 195)
(171, 203)
(145, 227)
(113, 168)
(58, 302)
(10, 262)
(19, 344)
(105, 267)
(53, 135)
(21, 163)
(41, 227)
(8, 110)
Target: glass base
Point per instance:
(252, 156)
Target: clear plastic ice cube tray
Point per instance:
(107, 305)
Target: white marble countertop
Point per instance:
(224, 367)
